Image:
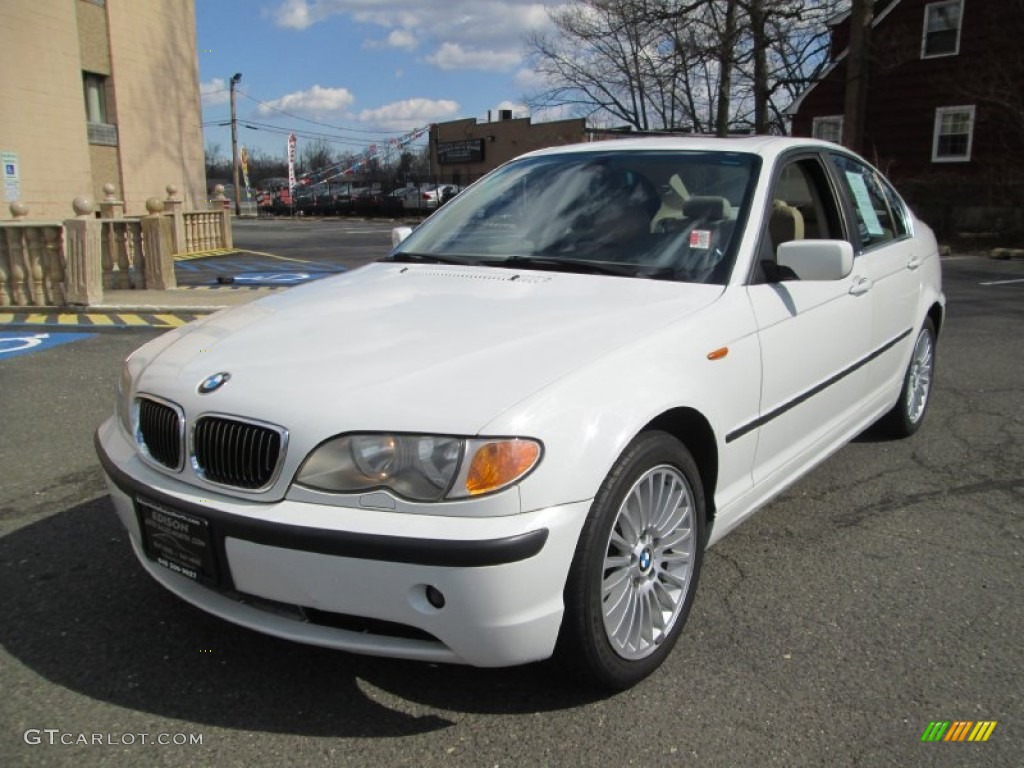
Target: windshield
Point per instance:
(660, 214)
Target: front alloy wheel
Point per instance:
(649, 563)
(636, 566)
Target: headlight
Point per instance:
(418, 467)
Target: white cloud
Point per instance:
(312, 100)
(294, 14)
(553, 114)
(452, 56)
(529, 80)
(465, 34)
(215, 91)
(410, 113)
(397, 38)
(402, 38)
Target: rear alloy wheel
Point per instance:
(908, 414)
(636, 566)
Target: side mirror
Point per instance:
(398, 234)
(816, 259)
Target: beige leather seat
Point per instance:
(671, 205)
(786, 223)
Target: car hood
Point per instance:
(423, 348)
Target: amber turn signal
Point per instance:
(496, 464)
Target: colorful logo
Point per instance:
(958, 730)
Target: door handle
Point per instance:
(861, 285)
(915, 262)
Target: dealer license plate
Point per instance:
(177, 540)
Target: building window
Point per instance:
(100, 130)
(941, 29)
(954, 131)
(828, 128)
(95, 97)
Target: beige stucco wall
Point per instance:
(94, 45)
(156, 76)
(40, 98)
(149, 51)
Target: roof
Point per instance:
(766, 146)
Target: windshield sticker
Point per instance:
(700, 238)
(860, 193)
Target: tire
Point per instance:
(641, 548)
(908, 414)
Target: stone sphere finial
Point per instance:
(18, 210)
(83, 206)
(171, 190)
(155, 205)
(218, 190)
(109, 190)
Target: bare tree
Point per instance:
(316, 156)
(699, 65)
(217, 166)
(858, 64)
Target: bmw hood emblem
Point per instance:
(213, 383)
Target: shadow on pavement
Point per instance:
(79, 611)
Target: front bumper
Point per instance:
(309, 572)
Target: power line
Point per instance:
(310, 120)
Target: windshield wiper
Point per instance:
(404, 257)
(564, 265)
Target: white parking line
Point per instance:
(1003, 282)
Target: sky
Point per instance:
(359, 72)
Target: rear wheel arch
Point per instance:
(936, 315)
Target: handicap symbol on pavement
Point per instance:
(272, 278)
(14, 344)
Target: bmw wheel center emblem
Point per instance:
(214, 382)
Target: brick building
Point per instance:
(945, 108)
(461, 151)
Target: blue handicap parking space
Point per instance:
(15, 344)
(251, 270)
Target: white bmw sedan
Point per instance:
(515, 435)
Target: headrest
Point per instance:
(712, 208)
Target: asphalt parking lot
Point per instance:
(878, 595)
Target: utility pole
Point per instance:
(234, 144)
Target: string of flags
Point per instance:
(341, 169)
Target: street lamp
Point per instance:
(234, 144)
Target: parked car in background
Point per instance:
(515, 435)
(368, 202)
(429, 197)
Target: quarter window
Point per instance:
(941, 29)
(954, 131)
(829, 128)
